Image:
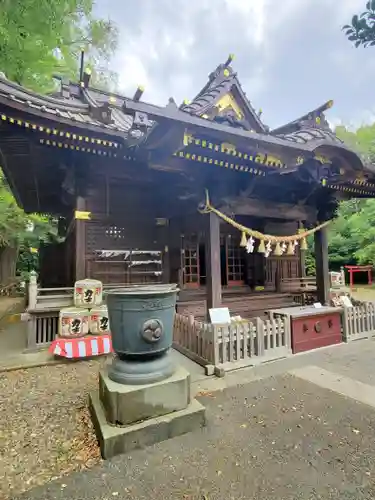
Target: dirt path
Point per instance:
(280, 438)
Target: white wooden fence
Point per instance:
(359, 322)
(229, 347)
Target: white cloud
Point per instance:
(290, 55)
(136, 73)
(254, 11)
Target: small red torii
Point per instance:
(359, 269)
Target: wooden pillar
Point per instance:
(166, 265)
(302, 257)
(32, 299)
(213, 264)
(351, 281)
(278, 277)
(322, 269)
(164, 243)
(80, 239)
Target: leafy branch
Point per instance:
(361, 31)
(38, 37)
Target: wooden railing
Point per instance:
(359, 322)
(308, 283)
(247, 305)
(248, 343)
(229, 347)
(305, 284)
(195, 340)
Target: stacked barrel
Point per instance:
(88, 315)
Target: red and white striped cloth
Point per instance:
(84, 347)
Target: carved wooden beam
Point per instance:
(262, 209)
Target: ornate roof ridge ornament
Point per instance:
(223, 70)
(221, 83)
(141, 125)
(99, 111)
(313, 119)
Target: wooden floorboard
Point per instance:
(241, 302)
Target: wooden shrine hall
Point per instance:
(149, 194)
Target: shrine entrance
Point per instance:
(202, 265)
(193, 262)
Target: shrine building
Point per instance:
(202, 193)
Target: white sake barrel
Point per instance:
(73, 322)
(88, 293)
(98, 320)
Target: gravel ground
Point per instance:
(279, 439)
(45, 429)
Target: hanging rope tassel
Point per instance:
(278, 250)
(290, 250)
(243, 240)
(206, 207)
(303, 244)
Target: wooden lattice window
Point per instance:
(235, 263)
(190, 261)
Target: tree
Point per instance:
(42, 38)
(20, 235)
(351, 234)
(351, 237)
(362, 140)
(342, 245)
(342, 241)
(363, 232)
(361, 31)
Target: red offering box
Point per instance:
(312, 327)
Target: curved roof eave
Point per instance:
(294, 125)
(352, 161)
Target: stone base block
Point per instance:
(127, 404)
(115, 440)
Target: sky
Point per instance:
(290, 55)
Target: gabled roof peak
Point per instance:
(222, 98)
(223, 70)
(313, 119)
(311, 126)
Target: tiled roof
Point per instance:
(310, 127)
(209, 97)
(314, 118)
(72, 108)
(307, 134)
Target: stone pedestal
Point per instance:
(136, 372)
(134, 416)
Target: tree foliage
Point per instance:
(362, 140)
(23, 232)
(352, 233)
(361, 31)
(42, 38)
(346, 240)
